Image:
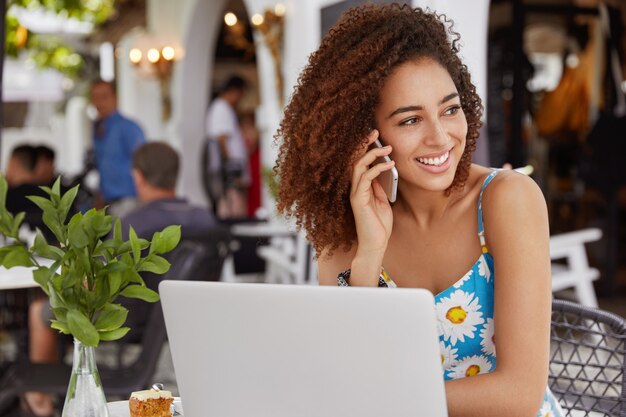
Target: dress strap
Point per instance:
(481, 228)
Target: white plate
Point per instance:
(120, 408)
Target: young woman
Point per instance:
(476, 238)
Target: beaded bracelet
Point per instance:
(383, 279)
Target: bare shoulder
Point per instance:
(332, 264)
(513, 206)
(510, 189)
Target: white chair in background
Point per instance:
(288, 256)
(576, 273)
(289, 260)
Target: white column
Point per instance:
(138, 94)
(201, 20)
(78, 134)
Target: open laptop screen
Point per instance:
(289, 351)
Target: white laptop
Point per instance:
(261, 350)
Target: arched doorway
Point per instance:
(202, 20)
(235, 59)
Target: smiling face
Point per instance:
(419, 114)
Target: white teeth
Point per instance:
(435, 161)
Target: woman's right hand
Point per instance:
(370, 206)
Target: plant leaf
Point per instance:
(155, 264)
(81, 328)
(102, 291)
(101, 224)
(43, 249)
(60, 283)
(117, 230)
(60, 313)
(114, 334)
(166, 240)
(66, 203)
(84, 260)
(140, 292)
(56, 187)
(43, 203)
(134, 244)
(115, 282)
(77, 236)
(131, 275)
(46, 189)
(112, 316)
(42, 276)
(116, 266)
(124, 248)
(17, 255)
(17, 221)
(105, 249)
(51, 220)
(60, 326)
(4, 187)
(56, 300)
(4, 250)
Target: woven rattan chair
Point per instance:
(588, 360)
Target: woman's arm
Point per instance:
(329, 267)
(373, 220)
(517, 235)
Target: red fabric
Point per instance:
(254, 191)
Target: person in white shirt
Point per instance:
(227, 155)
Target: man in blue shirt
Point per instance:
(115, 139)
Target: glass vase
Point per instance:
(85, 396)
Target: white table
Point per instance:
(272, 229)
(19, 276)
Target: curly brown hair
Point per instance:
(332, 108)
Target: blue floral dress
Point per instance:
(465, 319)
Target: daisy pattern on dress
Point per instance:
(470, 366)
(546, 410)
(488, 337)
(448, 355)
(458, 316)
(462, 281)
(483, 269)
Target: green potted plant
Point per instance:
(83, 276)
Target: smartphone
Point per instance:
(388, 179)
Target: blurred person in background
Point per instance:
(22, 181)
(228, 156)
(22, 178)
(45, 172)
(155, 172)
(21, 166)
(115, 139)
